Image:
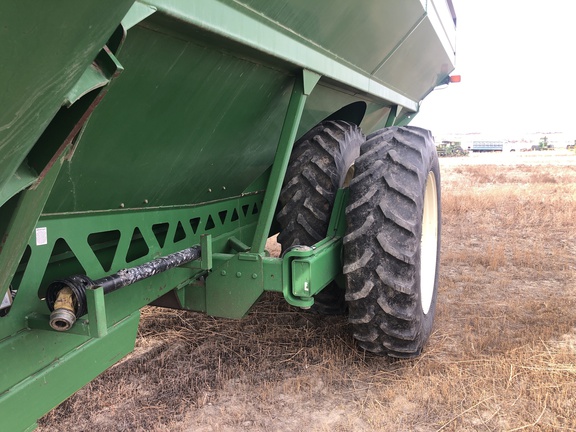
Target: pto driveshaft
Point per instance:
(66, 298)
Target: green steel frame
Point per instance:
(96, 243)
(49, 152)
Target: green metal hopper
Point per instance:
(193, 130)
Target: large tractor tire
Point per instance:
(318, 166)
(392, 246)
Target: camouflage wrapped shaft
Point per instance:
(131, 275)
(80, 283)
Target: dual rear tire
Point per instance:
(392, 245)
(391, 248)
(318, 167)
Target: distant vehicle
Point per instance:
(487, 146)
(543, 145)
(450, 148)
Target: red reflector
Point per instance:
(455, 78)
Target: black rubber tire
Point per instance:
(318, 166)
(382, 247)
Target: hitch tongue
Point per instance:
(63, 316)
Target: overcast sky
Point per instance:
(517, 59)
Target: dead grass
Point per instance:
(502, 356)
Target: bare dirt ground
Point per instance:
(502, 355)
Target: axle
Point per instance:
(66, 298)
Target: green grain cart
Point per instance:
(148, 150)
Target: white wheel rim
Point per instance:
(429, 243)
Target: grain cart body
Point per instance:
(134, 130)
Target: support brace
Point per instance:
(303, 86)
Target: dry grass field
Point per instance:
(502, 356)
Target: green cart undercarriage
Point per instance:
(148, 150)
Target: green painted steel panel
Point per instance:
(248, 32)
(22, 178)
(23, 219)
(343, 41)
(234, 285)
(183, 124)
(330, 24)
(416, 80)
(46, 47)
(52, 367)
